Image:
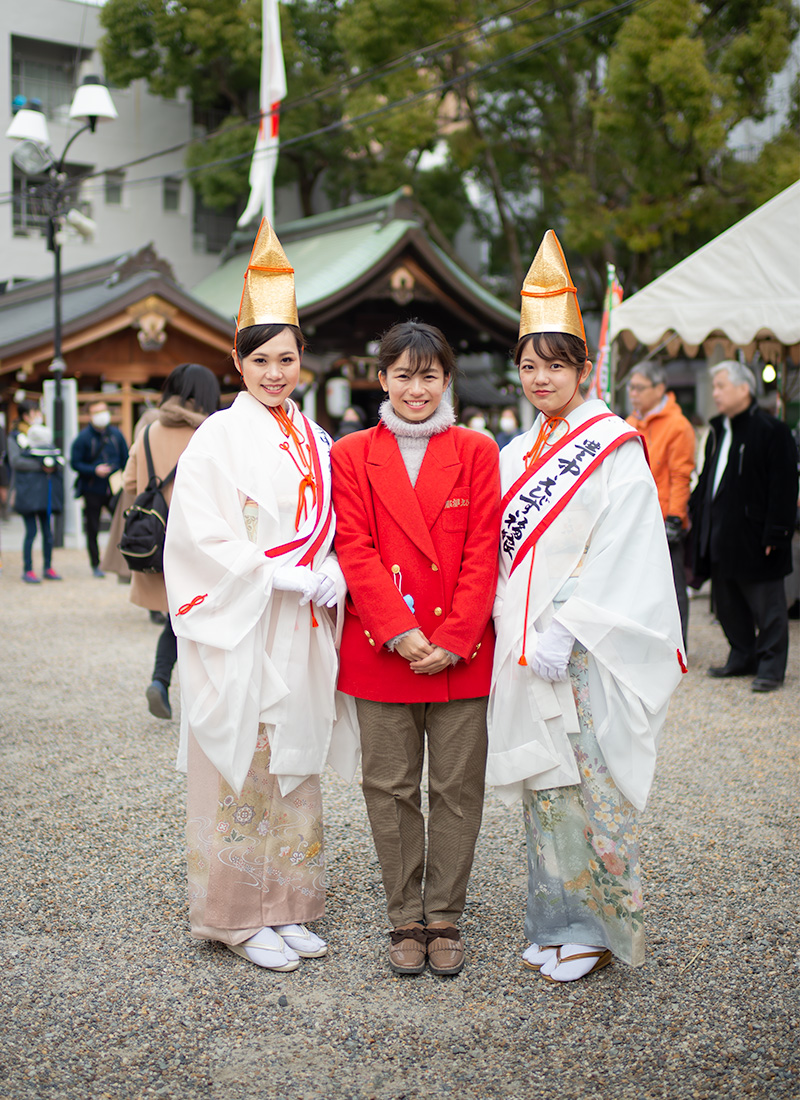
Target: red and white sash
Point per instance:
(541, 493)
(316, 531)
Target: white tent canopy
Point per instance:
(745, 283)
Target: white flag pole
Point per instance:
(272, 92)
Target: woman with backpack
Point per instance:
(253, 585)
(190, 394)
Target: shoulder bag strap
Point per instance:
(151, 470)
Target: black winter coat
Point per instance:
(755, 505)
(37, 478)
(92, 448)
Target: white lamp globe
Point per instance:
(92, 101)
(29, 124)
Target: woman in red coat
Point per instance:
(417, 505)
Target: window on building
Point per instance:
(113, 188)
(29, 212)
(47, 71)
(213, 229)
(172, 193)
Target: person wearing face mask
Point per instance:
(474, 419)
(254, 590)
(509, 427)
(38, 483)
(98, 451)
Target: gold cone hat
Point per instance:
(268, 296)
(549, 298)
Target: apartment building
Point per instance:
(46, 48)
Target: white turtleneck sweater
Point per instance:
(412, 437)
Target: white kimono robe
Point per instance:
(248, 653)
(605, 556)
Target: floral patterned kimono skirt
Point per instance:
(584, 877)
(256, 860)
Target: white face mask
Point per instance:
(508, 423)
(477, 423)
(101, 420)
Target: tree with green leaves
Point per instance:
(609, 121)
(680, 77)
(213, 49)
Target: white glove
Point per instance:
(326, 593)
(553, 651)
(300, 578)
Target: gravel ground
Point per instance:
(104, 994)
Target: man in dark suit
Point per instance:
(97, 452)
(743, 513)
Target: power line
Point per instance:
(346, 123)
(351, 83)
(348, 84)
(566, 34)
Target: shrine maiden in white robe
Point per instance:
(248, 653)
(604, 563)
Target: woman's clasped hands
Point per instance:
(423, 657)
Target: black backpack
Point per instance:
(145, 528)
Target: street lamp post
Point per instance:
(33, 156)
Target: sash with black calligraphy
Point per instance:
(541, 493)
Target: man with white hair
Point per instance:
(743, 513)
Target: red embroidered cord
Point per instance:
(182, 610)
(523, 659)
(305, 465)
(305, 468)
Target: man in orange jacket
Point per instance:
(670, 446)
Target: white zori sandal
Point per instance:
(267, 949)
(306, 944)
(536, 956)
(572, 961)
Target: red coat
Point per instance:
(439, 539)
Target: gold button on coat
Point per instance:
(395, 568)
(434, 567)
(437, 610)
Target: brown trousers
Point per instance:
(392, 747)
